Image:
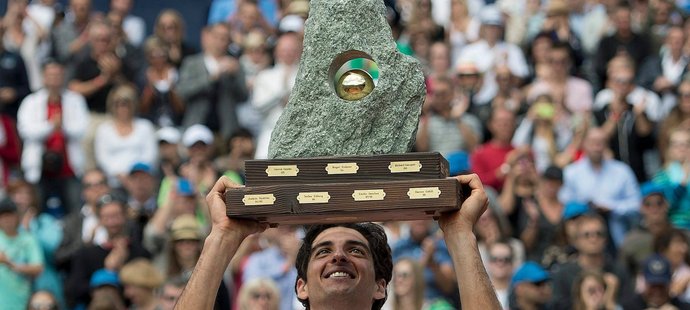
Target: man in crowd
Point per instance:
(531, 287)
(492, 160)
(656, 294)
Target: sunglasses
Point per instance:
(591, 234)
(501, 259)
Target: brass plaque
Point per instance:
(313, 197)
(342, 168)
(259, 200)
(405, 166)
(368, 194)
(282, 171)
(424, 193)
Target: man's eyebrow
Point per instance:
(349, 242)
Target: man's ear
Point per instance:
(302, 290)
(380, 292)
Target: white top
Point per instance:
(116, 154)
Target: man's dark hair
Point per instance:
(378, 246)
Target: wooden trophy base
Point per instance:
(337, 190)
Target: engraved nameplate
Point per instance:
(405, 166)
(313, 197)
(282, 171)
(424, 193)
(259, 200)
(342, 168)
(368, 194)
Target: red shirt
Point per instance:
(57, 141)
(486, 160)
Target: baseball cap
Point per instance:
(574, 209)
(657, 270)
(141, 167)
(7, 206)
(104, 277)
(197, 133)
(530, 272)
(185, 227)
(185, 187)
(650, 188)
(491, 15)
(168, 134)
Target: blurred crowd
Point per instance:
(574, 113)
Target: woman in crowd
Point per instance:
(124, 139)
(462, 29)
(170, 28)
(674, 176)
(140, 280)
(258, 294)
(408, 285)
(160, 104)
(679, 117)
(493, 227)
(594, 291)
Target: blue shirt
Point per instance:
(269, 264)
(412, 249)
(613, 187)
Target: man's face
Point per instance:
(81, 8)
(622, 20)
(53, 76)
(143, 185)
(654, 208)
(595, 144)
(219, 40)
(622, 82)
(9, 222)
(502, 125)
(675, 40)
(288, 50)
(591, 237)
(441, 95)
(656, 295)
(341, 267)
(535, 293)
(112, 217)
(94, 186)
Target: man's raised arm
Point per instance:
(476, 291)
(220, 246)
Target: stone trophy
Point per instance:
(355, 105)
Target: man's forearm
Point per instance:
(476, 291)
(200, 292)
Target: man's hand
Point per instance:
(217, 210)
(463, 220)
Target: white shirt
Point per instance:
(116, 154)
(211, 64)
(673, 70)
(655, 110)
(88, 235)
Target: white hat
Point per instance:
(291, 23)
(491, 15)
(169, 134)
(197, 133)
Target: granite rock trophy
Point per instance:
(355, 105)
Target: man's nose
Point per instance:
(339, 256)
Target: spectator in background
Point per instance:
(111, 255)
(247, 19)
(45, 229)
(626, 118)
(494, 228)
(124, 140)
(590, 243)
(448, 129)
(594, 291)
(170, 292)
(673, 246)
(500, 270)
(170, 29)
(656, 294)
(674, 177)
(160, 102)
(639, 242)
(43, 300)
(81, 227)
(240, 148)
(623, 40)
(491, 51)
(199, 168)
(678, 118)
(26, 36)
(21, 259)
(424, 246)
(71, 37)
(259, 293)
(408, 285)
(663, 72)
(463, 28)
(14, 81)
(106, 290)
(492, 160)
(439, 61)
(272, 87)
(133, 26)
(530, 287)
(140, 280)
(141, 184)
(212, 84)
(275, 262)
(607, 184)
(52, 122)
(169, 156)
